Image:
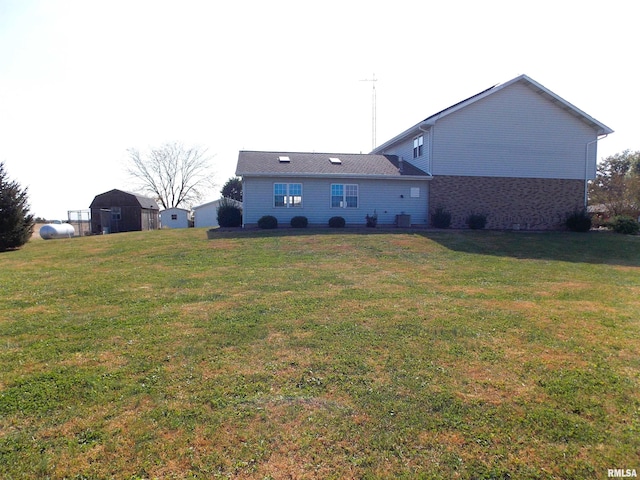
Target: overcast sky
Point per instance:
(81, 81)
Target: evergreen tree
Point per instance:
(16, 223)
(233, 189)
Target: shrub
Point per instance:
(477, 221)
(337, 222)
(268, 221)
(624, 224)
(441, 218)
(372, 220)
(598, 221)
(578, 221)
(299, 222)
(229, 213)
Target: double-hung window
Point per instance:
(344, 195)
(287, 195)
(418, 146)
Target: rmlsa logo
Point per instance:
(622, 473)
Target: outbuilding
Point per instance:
(206, 215)
(174, 218)
(119, 211)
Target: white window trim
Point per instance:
(343, 202)
(287, 195)
(418, 146)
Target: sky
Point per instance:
(83, 81)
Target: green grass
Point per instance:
(321, 354)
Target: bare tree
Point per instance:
(175, 175)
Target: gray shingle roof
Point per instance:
(144, 202)
(252, 163)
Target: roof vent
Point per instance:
(284, 159)
(335, 161)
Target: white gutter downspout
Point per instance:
(586, 166)
(429, 135)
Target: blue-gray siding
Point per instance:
(387, 197)
(404, 150)
(513, 133)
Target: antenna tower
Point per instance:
(373, 81)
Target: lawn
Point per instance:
(321, 354)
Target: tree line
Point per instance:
(616, 188)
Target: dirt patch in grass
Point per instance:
(111, 360)
(492, 385)
(298, 437)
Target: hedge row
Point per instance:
(269, 221)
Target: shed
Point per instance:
(119, 211)
(174, 218)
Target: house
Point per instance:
(174, 218)
(119, 211)
(516, 152)
(321, 185)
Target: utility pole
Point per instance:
(373, 81)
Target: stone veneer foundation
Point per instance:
(509, 203)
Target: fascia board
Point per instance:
(415, 130)
(331, 175)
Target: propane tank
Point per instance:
(56, 230)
